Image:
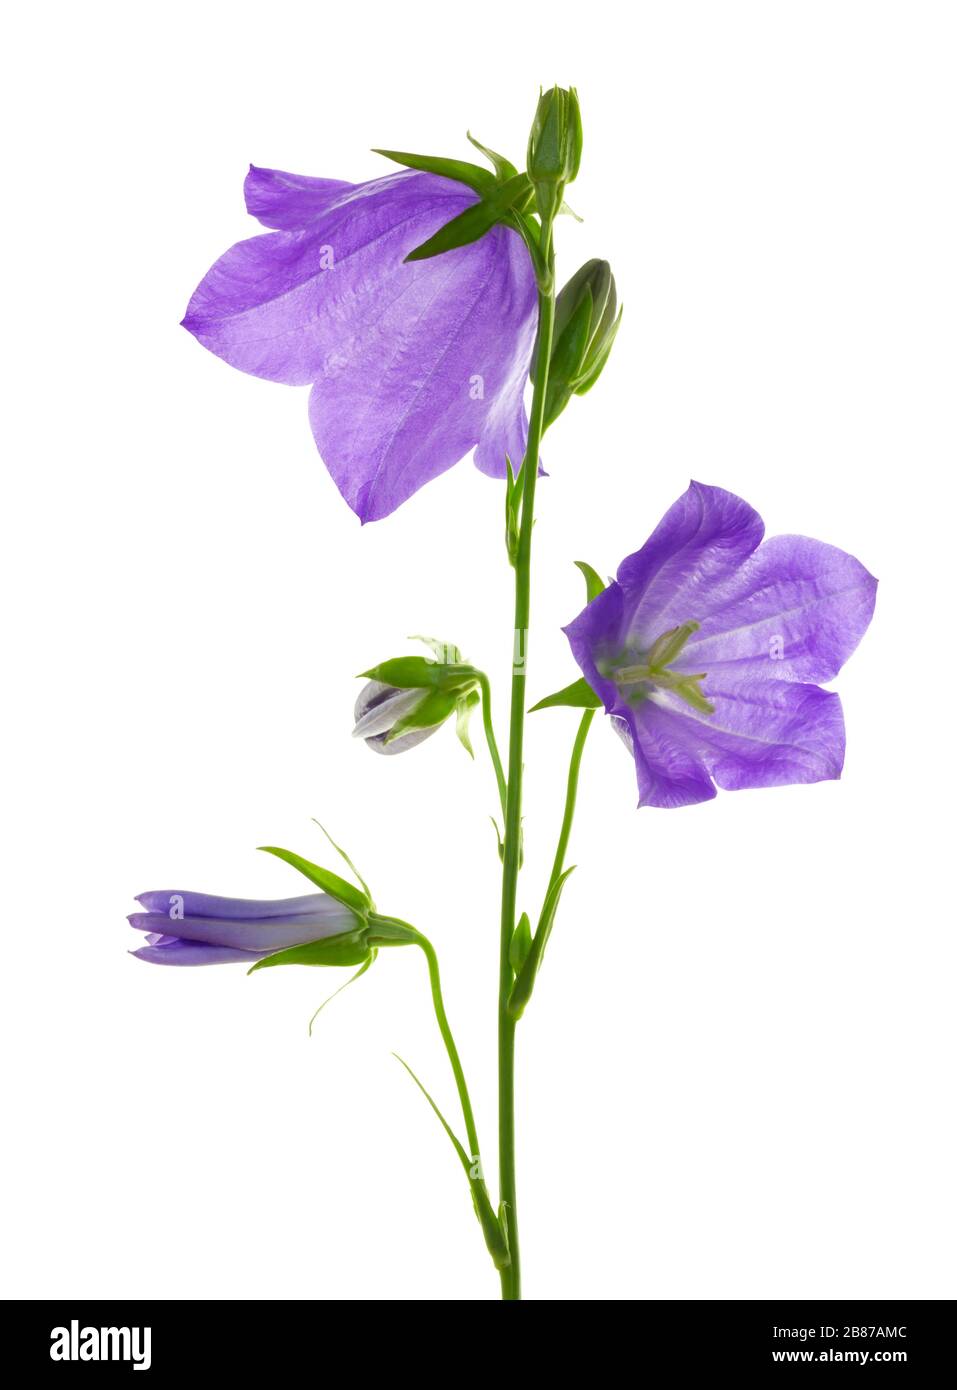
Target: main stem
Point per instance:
(511, 1275)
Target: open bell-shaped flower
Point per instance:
(708, 649)
(412, 363)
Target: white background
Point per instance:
(736, 1079)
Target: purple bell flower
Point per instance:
(200, 929)
(708, 649)
(411, 366)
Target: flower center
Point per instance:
(651, 671)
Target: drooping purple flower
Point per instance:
(201, 929)
(708, 649)
(411, 366)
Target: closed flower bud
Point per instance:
(586, 322)
(392, 720)
(554, 148)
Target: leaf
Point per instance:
(594, 584)
(578, 695)
(523, 986)
(521, 943)
(513, 507)
(461, 170)
(498, 836)
(550, 908)
(503, 167)
(336, 887)
(339, 850)
(467, 227)
(456, 1144)
(351, 981)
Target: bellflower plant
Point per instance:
(417, 306)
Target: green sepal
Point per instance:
(461, 170)
(463, 229)
(594, 584)
(351, 948)
(419, 673)
(338, 888)
(444, 652)
(463, 713)
(351, 981)
(568, 356)
(339, 850)
(602, 353)
(504, 168)
(520, 944)
(523, 986)
(501, 203)
(431, 711)
(578, 695)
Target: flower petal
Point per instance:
(267, 934)
(762, 733)
(440, 369)
(669, 775)
(413, 365)
(287, 306)
(176, 952)
(598, 630)
(173, 903)
(289, 202)
(685, 567)
(795, 611)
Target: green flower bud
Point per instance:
(554, 148)
(586, 323)
(410, 697)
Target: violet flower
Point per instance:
(411, 365)
(708, 649)
(199, 929)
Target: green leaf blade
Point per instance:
(578, 695)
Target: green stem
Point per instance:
(435, 984)
(489, 727)
(511, 1275)
(571, 794)
(471, 1161)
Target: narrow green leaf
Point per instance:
(521, 943)
(522, 989)
(336, 887)
(550, 908)
(578, 695)
(594, 584)
(472, 175)
(456, 1143)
